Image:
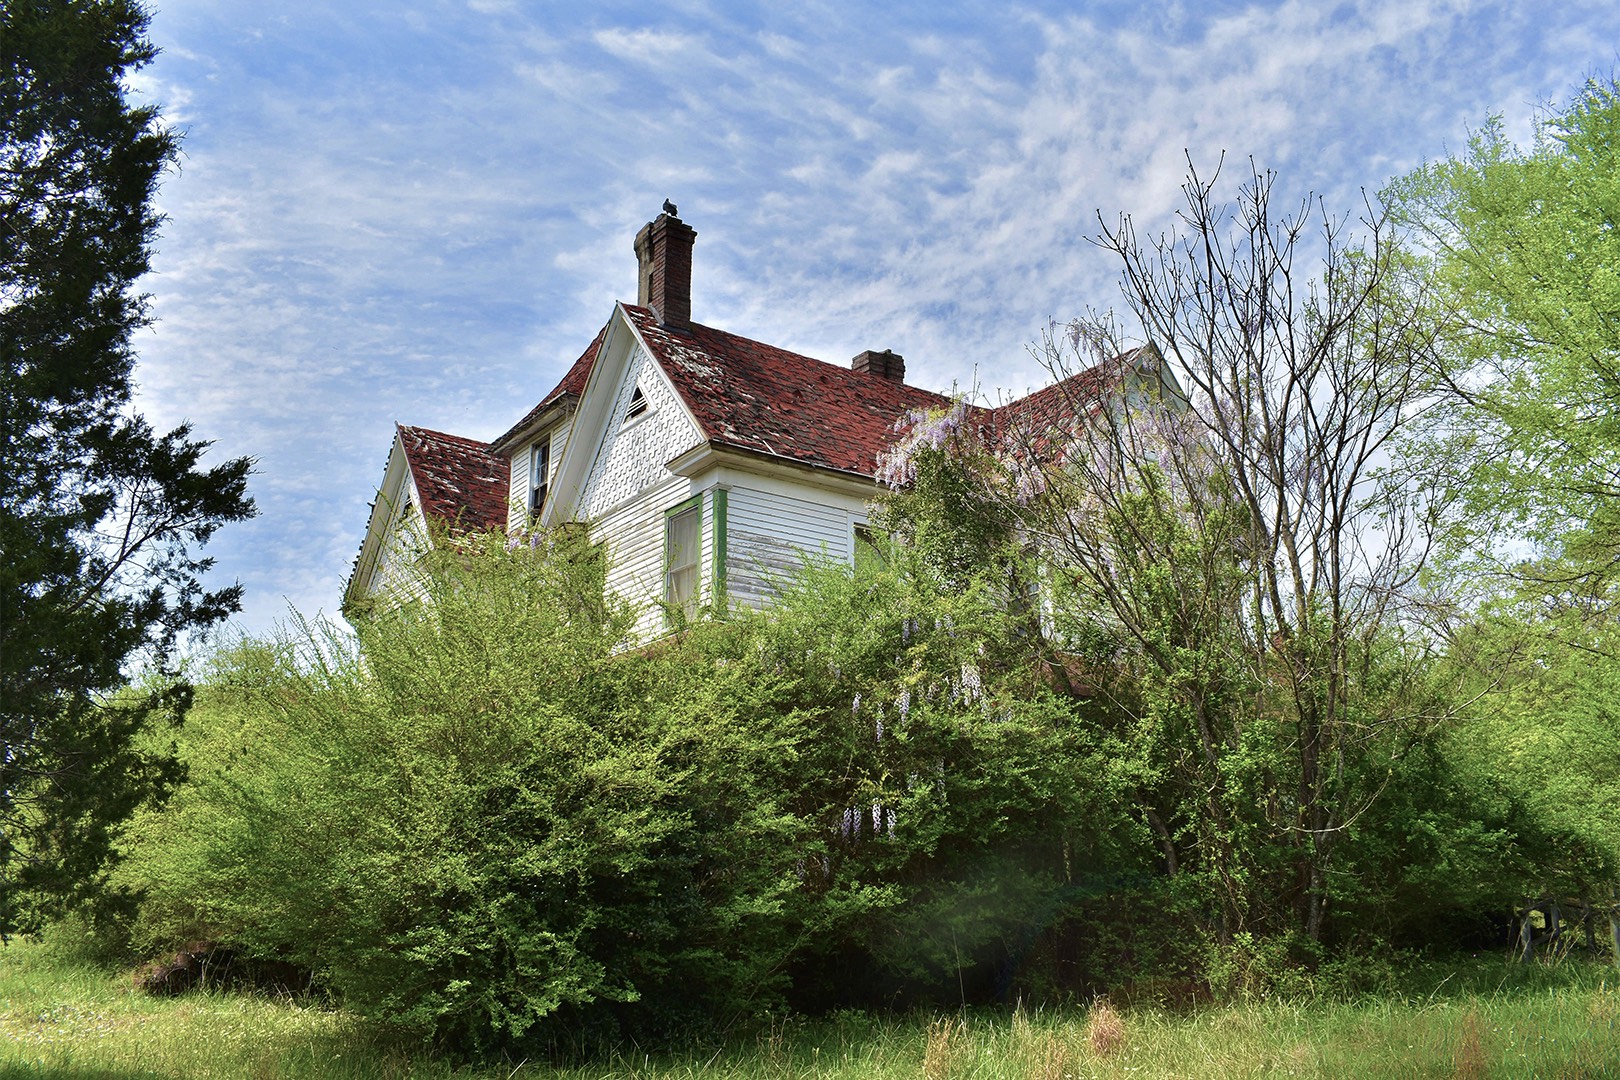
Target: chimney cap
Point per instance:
(887, 364)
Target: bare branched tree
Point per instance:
(1230, 519)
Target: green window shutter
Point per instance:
(719, 547)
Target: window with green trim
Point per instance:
(683, 549)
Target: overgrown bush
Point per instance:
(954, 801)
(491, 819)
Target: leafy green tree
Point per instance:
(99, 514)
(1544, 731)
(1524, 257)
(1524, 248)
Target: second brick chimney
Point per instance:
(664, 255)
(887, 364)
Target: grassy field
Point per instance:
(67, 1020)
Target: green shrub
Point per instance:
(477, 814)
(490, 820)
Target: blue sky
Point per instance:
(422, 210)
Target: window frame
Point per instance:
(539, 476)
(875, 540)
(688, 606)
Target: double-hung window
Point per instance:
(683, 550)
(539, 475)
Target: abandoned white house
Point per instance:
(707, 462)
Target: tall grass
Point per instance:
(64, 1018)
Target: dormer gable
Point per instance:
(431, 476)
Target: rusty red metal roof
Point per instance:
(1048, 420)
(754, 396)
(459, 481)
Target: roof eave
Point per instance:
(396, 474)
(712, 454)
(559, 409)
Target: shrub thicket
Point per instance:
(491, 819)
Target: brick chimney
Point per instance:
(887, 364)
(664, 255)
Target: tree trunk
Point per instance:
(1527, 934)
(1316, 897)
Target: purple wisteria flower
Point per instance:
(920, 430)
(972, 685)
(1029, 483)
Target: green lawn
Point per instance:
(61, 1019)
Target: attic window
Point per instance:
(638, 405)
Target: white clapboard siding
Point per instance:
(559, 443)
(769, 532)
(634, 534)
(396, 573)
(517, 490)
(628, 489)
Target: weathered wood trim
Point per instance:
(799, 474)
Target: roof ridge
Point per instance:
(443, 435)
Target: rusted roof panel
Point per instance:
(459, 480)
(747, 394)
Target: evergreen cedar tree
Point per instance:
(99, 514)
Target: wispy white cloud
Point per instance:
(422, 213)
